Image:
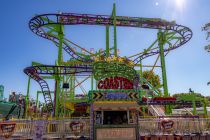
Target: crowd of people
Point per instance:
(33, 108)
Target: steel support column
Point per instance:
(115, 29)
(107, 41)
(60, 29)
(161, 42)
(27, 97)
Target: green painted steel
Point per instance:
(27, 97)
(141, 73)
(37, 99)
(57, 92)
(115, 29)
(107, 42)
(48, 77)
(103, 69)
(204, 108)
(150, 85)
(92, 82)
(1, 92)
(192, 98)
(96, 84)
(72, 85)
(161, 42)
(194, 105)
(60, 30)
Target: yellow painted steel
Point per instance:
(70, 106)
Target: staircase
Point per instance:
(156, 110)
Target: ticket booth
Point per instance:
(115, 120)
(114, 109)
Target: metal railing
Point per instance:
(156, 110)
(69, 128)
(180, 126)
(75, 128)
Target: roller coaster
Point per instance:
(119, 97)
(50, 26)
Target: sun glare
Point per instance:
(180, 3)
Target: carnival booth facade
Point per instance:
(114, 109)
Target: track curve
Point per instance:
(35, 71)
(39, 23)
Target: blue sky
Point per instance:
(187, 66)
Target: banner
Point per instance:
(116, 134)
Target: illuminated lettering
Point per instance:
(115, 83)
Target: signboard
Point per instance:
(115, 95)
(116, 134)
(115, 83)
(7, 129)
(167, 125)
(39, 127)
(76, 127)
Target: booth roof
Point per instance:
(115, 105)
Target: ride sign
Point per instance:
(116, 134)
(112, 95)
(7, 129)
(115, 83)
(167, 125)
(116, 96)
(76, 127)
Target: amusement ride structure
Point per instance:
(117, 96)
(50, 26)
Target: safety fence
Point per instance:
(173, 126)
(80, 127)
(47, 129)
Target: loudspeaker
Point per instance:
(66, 85)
